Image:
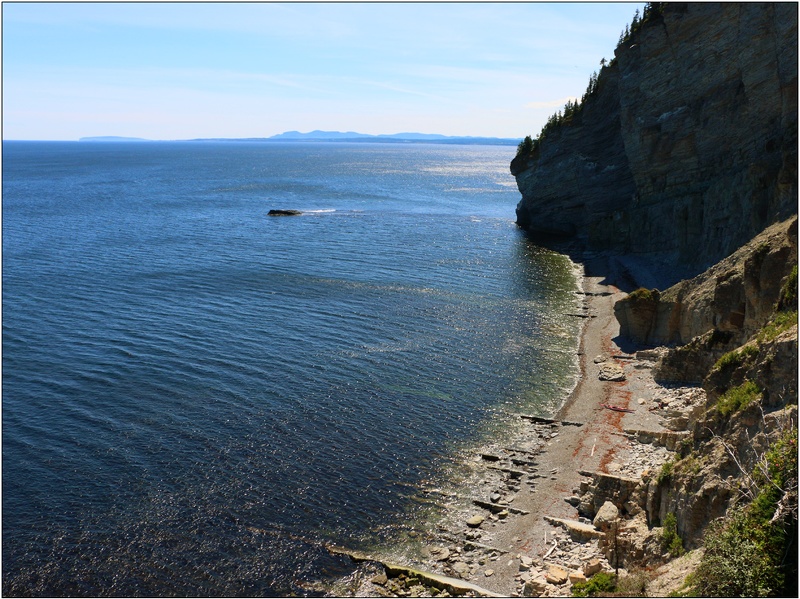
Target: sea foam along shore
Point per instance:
(525, 537)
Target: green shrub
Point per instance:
(737, 357)
(670, 541)
(643, 295)
(782, 459)
(788, 296)
(738, 398)
(691, 464)
(782, 321)
(525, 146)
(686, 446)
(753, 551)
(666, 472)
(734, 564)
(602, 582)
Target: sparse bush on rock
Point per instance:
(753, 551)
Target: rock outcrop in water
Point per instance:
(686, 149)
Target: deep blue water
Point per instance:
(196, 396)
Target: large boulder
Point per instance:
(606, 516)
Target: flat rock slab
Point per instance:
(578, 531)
(440, 554)
(454, 586)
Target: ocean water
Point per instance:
(197, 398)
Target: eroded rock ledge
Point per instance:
(735, 297)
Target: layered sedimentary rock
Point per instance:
(686, 149)
(684, 155)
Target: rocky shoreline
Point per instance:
(541, 522)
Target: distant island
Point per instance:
(346, 136)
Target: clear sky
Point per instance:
(188, 70)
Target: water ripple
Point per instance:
(196, 396)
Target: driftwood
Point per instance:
(471, 545)
(555, 544)
(523, 462)
(497, 507)
(540, 420)
(511, 472)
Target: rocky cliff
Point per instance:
(686, 148)
(680, 164)
(735, 298)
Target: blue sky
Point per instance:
(187, 70)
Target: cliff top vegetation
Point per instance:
(529, 145)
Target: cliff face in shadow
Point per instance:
(687, 148)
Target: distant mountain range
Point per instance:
(393, 138)
(112, 138)
(347, 136)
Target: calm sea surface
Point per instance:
(197, 397)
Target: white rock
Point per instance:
(611, 372)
